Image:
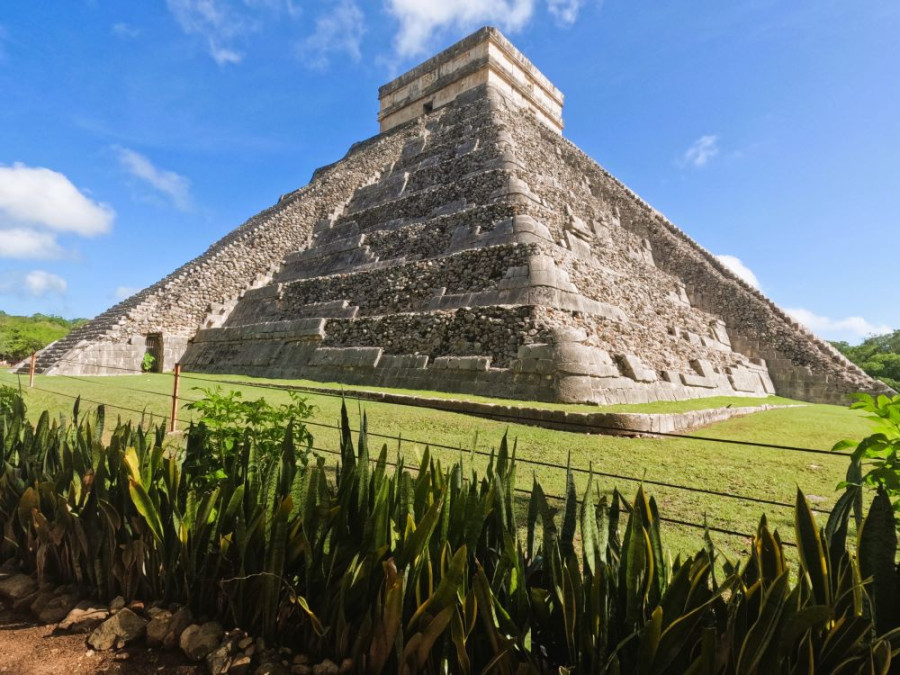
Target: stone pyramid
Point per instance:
(469, 247)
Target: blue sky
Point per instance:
(135, 134)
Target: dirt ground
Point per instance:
(29, 649)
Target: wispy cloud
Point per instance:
(20, 243)
(175, 187)
(123, 292)
(565, 12)
(337, 31)
(701, 151)
(39, 197)
(421, 20)
(35, 284)
(850, 328)
(225, 25)
(125, 31)
(39, 283)
(216, 22)
(739, 269)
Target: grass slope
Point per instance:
(758, 472)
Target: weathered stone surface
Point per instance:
(198, 640)
(118, 630)
(240, 665)
(326, 667)
(57, 608)
(18, 586)
(180, 620)
(158, 628)
(84, 617)
(218, 661)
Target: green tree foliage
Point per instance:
(875, 461)
(879, 356)
(22, 335)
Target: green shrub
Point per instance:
(227, 423)
(148, 363)
(875, 461)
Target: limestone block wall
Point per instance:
(486, 294)
(800, 364)
(180, 303)
(484, 58)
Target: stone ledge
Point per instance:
(605, 423)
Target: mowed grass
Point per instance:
(761, 473)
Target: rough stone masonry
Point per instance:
(469, 247)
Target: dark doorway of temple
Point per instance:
(153, 349)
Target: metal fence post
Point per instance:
(173, 423)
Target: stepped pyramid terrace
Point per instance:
(468, 247)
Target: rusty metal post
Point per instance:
(173, 424)
(31, 369)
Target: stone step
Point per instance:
(477, 188)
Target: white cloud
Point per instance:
(216, 22)
(24, 244)
(123, 292)
(564, 11)
(46, 198)
(339, 30)
(35, 284)
(850, 328)
(125, 31)
(39, 284)
(739, 269)
(421, 20)
(174, 186)
(703, 150)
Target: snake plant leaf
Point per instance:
(388, 619)
(146, 507)
(316, 623)
(417, 651)
(679, 636)
(648, 641)
(446, 592)
(836, 527)
(813, 558)
(763, 631)
(458, 636)
(415, 544)
(570, 515)
(877, 559)
(844, 638)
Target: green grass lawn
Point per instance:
(758, 472)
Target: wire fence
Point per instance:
(525, 418)
(543, 465)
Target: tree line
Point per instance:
(878, 355)
(22, 335)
